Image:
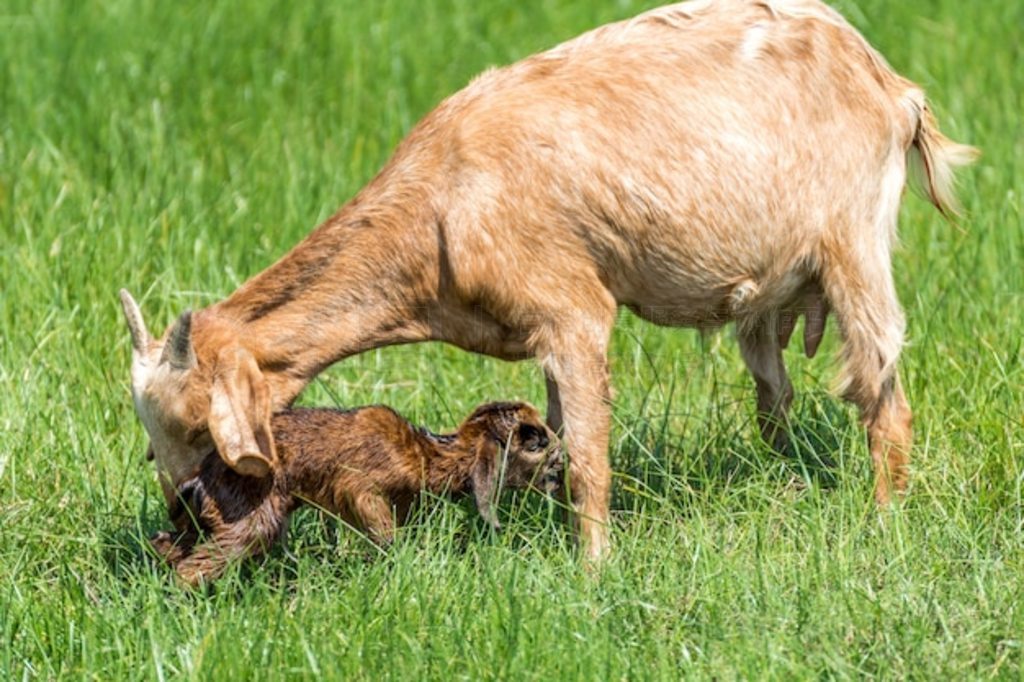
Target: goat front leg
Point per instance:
(250, 537)
(172, 547)
(206, 563)
(194, 560)
(205, 559)
(576, 363)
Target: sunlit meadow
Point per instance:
(177, 148)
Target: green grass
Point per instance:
(177, 148)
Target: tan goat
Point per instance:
(700, 163)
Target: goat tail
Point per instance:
(933, 158)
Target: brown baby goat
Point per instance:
(366, 465)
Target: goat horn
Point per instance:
(132, 315)
(178, 349)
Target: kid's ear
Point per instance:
(240, 412)
(484, 481)
(532, 437)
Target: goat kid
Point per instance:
(367, 465)
(706, 162)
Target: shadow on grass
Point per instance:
(655, 464)
(126, 549)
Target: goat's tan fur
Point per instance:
(700, 163)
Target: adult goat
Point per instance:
(700, 163)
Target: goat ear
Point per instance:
(240, 412)
(136, 326)
(178, 351)
(484, 481)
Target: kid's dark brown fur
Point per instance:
(367, 465)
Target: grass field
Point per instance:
(177, 148)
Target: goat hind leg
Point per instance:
(375, 514)
(762, 352)
(863, 295)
